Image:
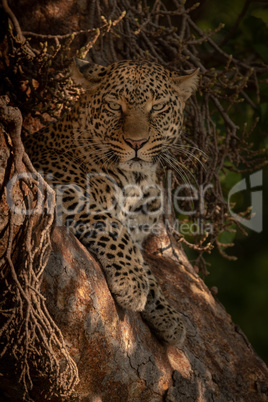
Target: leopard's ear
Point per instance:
(185, 85)
(87, 74)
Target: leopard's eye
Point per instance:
(114, 106)
(158, 106)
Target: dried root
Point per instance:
(29, 336)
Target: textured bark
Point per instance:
(118, 357)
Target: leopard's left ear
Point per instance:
(87, 74)
(185, 85)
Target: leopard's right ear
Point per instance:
(87, 74)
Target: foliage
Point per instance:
(242, 284)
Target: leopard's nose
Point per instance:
(136, 144)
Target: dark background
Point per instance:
(243, 284)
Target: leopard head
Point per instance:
(134, 109)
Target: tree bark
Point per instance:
(119, 358)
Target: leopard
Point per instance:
(104, 161)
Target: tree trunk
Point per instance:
(119, 358)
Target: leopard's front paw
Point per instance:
(130, 289)
(165, 322)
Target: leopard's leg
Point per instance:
(120, 258)
(129, 278)
(160, 316)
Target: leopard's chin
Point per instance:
(135, 165)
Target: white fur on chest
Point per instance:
(140, 206)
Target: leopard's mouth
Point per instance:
(136, 159)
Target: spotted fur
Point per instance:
(102, 161)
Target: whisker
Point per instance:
(185, 169)
(188, 148)
(184, 176)
(183, 146)
(88, 149)
(189, 153)
(111, 158)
